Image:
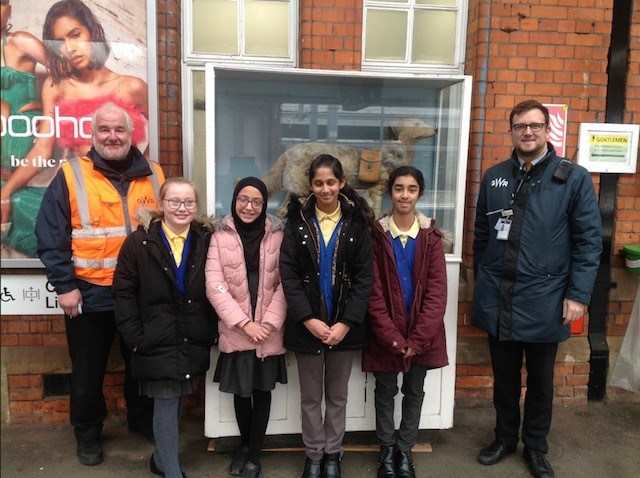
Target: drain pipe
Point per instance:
(615, 107)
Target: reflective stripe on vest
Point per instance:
(99, 232)
(107, 263)
(97, 235)
(83, 198)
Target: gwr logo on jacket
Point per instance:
(499, 183)
(101, 219)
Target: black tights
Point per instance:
(252, 414)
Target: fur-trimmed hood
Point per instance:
(424, 222)
(299, 203)
(225, 223)
(146, 217)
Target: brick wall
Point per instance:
(553, 50)
(169, 88)
(331, 34)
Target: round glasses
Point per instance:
(255, 203)
(522, 127)
(174, 204)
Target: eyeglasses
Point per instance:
(174, 204)
(255, 203)
(522, 127)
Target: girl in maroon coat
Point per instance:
(405, 318)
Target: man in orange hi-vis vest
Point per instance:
(87, 212)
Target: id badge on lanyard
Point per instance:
(503, 226)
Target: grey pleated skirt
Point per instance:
(167, 389)
(242, 372)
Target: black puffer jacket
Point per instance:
(299, 269)
(172, 334)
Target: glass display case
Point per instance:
(272, 124)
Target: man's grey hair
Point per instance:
(109, 106)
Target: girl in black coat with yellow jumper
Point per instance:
(326, 269)
(162, 311)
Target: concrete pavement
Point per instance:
(597, 440)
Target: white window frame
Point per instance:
(193, 62)
(192, 58)
(457, 67)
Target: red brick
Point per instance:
(564, 391)
(577, 379)
(474, 382)
(20, 407)
(563, 367)
(18, 381)
(19, 394)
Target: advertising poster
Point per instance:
(60, 61)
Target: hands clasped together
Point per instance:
(330, 336)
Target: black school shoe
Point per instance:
(153, 468)
(495, 452)
(405, 467)
(239, 461)
(538, 464)
(89, 452)
(251, 470)
(331, 467)
(312, 468)
(387, 462)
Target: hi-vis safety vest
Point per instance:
(101, 219)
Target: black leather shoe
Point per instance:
(251, 470)
(239, 461)
(153, 468)
(312, 468)
(89, 453)
(495, 452)
(538, 464)
(404, 465)
(331, 467)
(387, 462)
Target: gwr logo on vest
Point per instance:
(146, 201)
(499, 183)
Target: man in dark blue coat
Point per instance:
(536, 251)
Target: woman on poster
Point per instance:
(20, 53)
(78, 82)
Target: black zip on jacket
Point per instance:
(352, 276)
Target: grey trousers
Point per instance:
(413, 396)
(327, 372)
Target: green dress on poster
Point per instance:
(19, 89)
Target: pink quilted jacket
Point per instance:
(227, 288)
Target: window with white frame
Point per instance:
(242, 31)
(414, 34)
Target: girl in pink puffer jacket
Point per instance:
(243, 283)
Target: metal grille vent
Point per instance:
(57, 384)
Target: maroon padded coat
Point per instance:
(424, 332)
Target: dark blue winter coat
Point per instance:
(552, 252)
